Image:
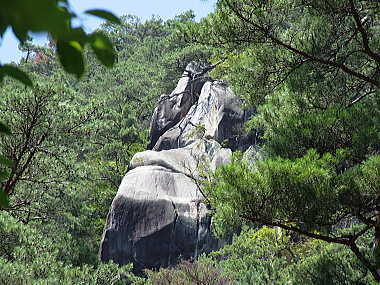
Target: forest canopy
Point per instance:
(311, 68)
(306, 213)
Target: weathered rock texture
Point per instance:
(159, 214)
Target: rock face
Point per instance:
(159, 214)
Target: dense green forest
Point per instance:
(308, 213)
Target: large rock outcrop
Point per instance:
(159, 213)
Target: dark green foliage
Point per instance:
(104, 15)
(4, 164)
(190, 273)
(70, 55)
(255, 257)
(332, 265)
(4, 129)
(331, 50)
(103, 49)
(310, 69)
(71, 144)
(301, 190)
(292, 124)
(28, 257)
(16, 73)
(304, 195)
(4, 199)
(53, 17)
(270, 256)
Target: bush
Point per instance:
(189, 273)
(270, 256)
(27, 257)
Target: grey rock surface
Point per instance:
(216, 115)
(253, 154)
(159, 213)
(174, 107)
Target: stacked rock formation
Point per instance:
(158, 214)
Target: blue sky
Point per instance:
(144, 9)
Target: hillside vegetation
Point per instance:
(308, 213)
